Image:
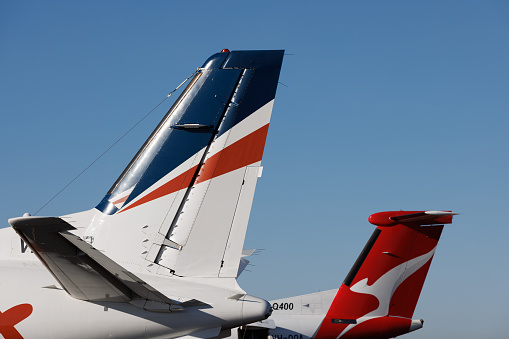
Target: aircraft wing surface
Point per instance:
(83, 271)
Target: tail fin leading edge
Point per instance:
(380, 293)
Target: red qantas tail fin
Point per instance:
(379, 295)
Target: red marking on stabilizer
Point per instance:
(12, 317)
(243, 152)
(384, 218)
(392, 218)
(346, 305)
(402, 243)
(405, 297)
(395, 246)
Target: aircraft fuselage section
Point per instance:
(32, 305)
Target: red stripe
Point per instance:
(243, 152)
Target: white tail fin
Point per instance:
(182, 205)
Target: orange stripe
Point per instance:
(121, 200)
(243, 152)
(174, 185)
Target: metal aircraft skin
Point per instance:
(159, 256)
(378, 297)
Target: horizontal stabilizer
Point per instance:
(415, 217)
(210, 333)
(267, 323)
(83, 271)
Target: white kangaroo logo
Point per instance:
(384, 287)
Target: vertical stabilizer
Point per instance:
(379, 295)
(182, 204)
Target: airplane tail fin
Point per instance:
(379, 295)
(182, 205)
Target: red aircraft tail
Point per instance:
(379, 295)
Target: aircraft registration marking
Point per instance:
(290, 336)
(282, 306)
(24, 247)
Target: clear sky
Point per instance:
(388, 105)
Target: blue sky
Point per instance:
(387, 105)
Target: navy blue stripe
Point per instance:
(360, 260)
(106, 206)
(206, 108)
(265, 67)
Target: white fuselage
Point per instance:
(296, 317)
(24, 280)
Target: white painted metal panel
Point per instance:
(233, 249)
(211, 219)
(141, 223)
